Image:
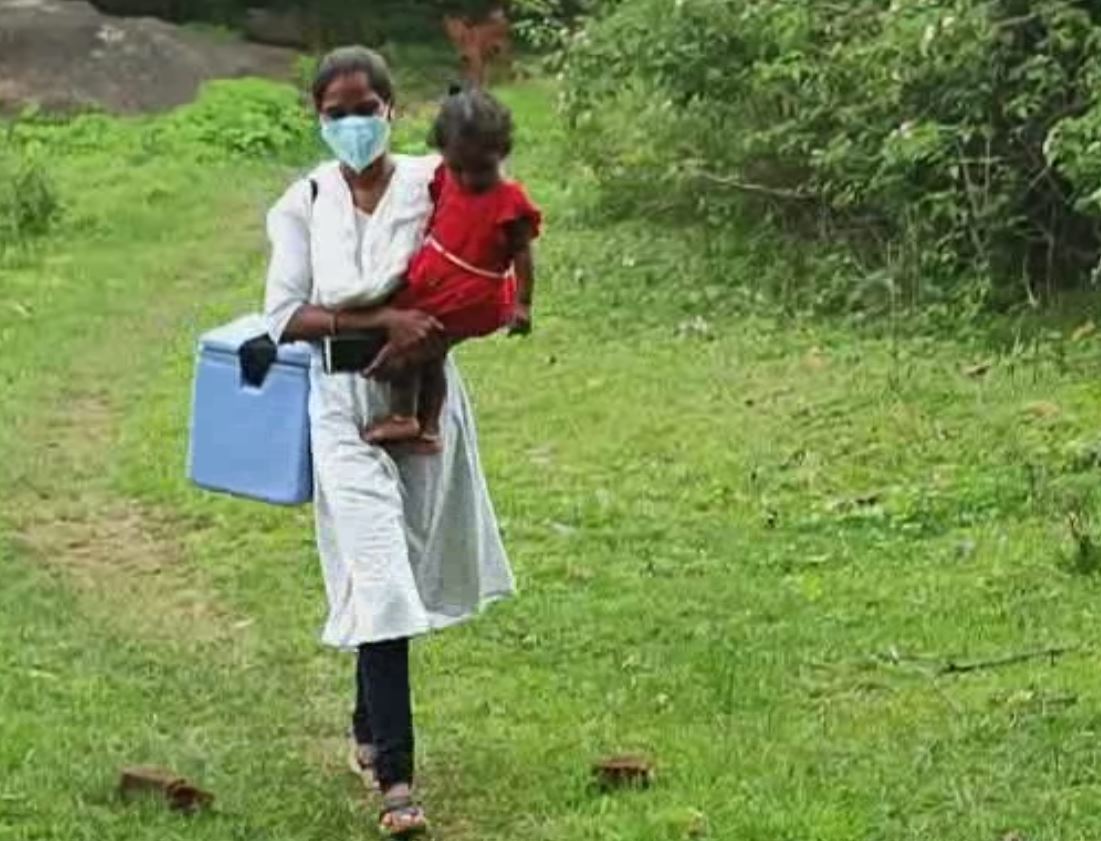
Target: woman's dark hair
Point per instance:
(347, 61)
(471, 115)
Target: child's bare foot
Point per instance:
(393, 429)
(426, 444)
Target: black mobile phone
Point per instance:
(352, 352)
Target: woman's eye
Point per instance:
(367, 109)
(336, 113)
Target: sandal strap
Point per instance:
(396, 812)
(396, 804)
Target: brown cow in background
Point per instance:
(481, 43)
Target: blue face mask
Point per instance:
(357, 141)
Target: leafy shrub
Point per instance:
(90, 130)
(908, 137)
(548, 25)
(1074, 148)
(540, 23)
(29, 204)
(252, 118)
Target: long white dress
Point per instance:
(407, 544)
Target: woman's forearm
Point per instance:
(310, 323)
(412, 337)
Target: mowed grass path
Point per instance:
(749, 551)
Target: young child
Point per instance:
(475, 273)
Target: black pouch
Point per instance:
(256, 357)
(352, 352)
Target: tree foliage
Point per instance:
(541, 22)
(940, 141)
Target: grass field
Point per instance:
(784, 557)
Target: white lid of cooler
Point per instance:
(229, 337)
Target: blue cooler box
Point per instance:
(247, 441)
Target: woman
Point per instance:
(408, 544)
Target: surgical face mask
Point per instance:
(357, 141)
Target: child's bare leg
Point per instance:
(433, 394)
(430, 400)
(401, 423)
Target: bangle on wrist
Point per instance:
(334, 326)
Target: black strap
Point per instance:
(313, 191)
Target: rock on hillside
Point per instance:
(65, 55)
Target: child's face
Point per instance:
(476, 169)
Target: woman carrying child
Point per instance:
(408, 543)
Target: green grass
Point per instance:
(744, 549)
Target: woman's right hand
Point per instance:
(412, 331)
(412, 337)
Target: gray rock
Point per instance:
(64, 55)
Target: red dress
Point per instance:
(463, 274)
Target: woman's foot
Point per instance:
(393, 429)
(401, 817)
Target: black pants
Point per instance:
(383, 716)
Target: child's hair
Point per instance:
(474, 116)
(346, 61)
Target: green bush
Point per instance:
(548, 25)
(243, 117)
(912, 139)
(29, 204)
(540, 23)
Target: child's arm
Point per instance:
(521, 233)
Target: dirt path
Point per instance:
(126, 560)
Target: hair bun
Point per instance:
(454, 89)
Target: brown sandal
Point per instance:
(401, 817)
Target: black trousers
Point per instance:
(383, 716)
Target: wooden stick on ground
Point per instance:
(178, 793)
(953, 668)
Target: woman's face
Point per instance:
(352, 94)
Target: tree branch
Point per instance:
(953, 668)
(755, 189)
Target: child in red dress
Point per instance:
(475, 273)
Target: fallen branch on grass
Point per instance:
(627, 771)
(936, 667)
(1052, 654)
(755, 189)
(178, 794)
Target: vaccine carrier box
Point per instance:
(251, 441)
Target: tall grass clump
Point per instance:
(29, 204)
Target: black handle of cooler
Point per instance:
(256, 357)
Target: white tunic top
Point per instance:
(407, 544)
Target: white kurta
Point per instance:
(407, 544)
